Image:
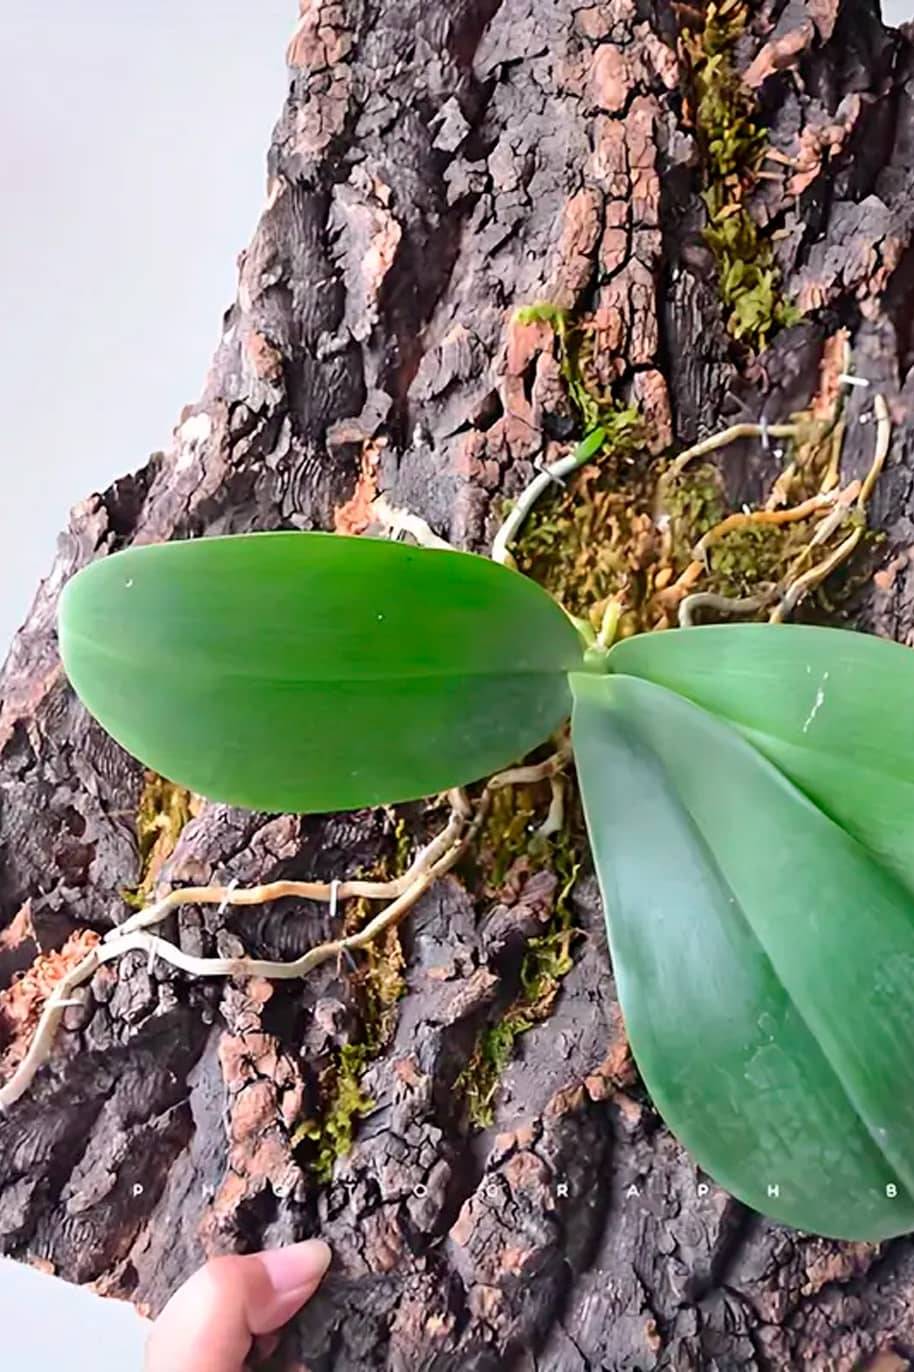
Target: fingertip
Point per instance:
(298, 1265)
(211, 1321)
(292, 1275)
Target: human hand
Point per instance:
(213, 1321)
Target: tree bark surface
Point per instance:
(439, 163)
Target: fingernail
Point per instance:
(301, 1264)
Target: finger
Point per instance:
(211, 1321)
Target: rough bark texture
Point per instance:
(438, 163)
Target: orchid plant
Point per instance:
(748, 792)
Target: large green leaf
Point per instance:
(833, 710)
(764, 960)
(311, 672)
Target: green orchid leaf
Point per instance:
(831, 709)
(314, 672)
(764, 961)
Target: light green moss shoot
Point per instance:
(733, 143)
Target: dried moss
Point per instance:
(588, 542)
(620, 533)
(748, 558)
(572, 542)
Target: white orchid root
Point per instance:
(466, 818)
(433, 861)
(851, 502)
(830, 506)
(734, 434)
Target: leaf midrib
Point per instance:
(737, 904)
(200, 665)
(805, 743)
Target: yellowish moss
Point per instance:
(693, 505)
(162, 813)
(404, 844)
(592, 539)
(748, 558)
(757, 554)
(505, 834)
(619, 532)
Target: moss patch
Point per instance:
(749, 557)
(621, 535)
(163, 811)
(599, 412)
(547, 960)
(733, 143)
(331, 1136)
(758, 554)
(620, 532)
(506, 833)
(584, 541)
(377, 987)
(593, 540)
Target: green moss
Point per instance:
(694, 503)
(506, 833)
(377, 988)
(740, 561)
(748, 277)
(749, 557)
(548, 956)
(725, 107)
(568, 339)
(547, 959)
(343, 1102)
(332, 1135)
(563, 544)
(480, 1078)
(623, 425)
(733, 143)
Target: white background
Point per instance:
(132, 172)
(132, 143)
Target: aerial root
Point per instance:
(433, 861)
(725, 438)
(725, 605)
(396, 522)
(829, 507)
(851, 502)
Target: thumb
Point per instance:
(211, 1322)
